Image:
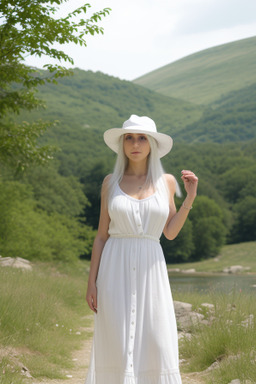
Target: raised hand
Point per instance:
(190, 181)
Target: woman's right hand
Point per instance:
(91, 297)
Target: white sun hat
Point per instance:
(139, 124)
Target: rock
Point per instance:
(25, 372)
(191, 270)
(208, 306)
(184, 335)
(185, 316)
(236, 381)
(182, 308)
(212, 366)
(170, 270)
(249, 322)
(17, 262)
(234, 269)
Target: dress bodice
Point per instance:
(130, 216)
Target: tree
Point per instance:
(244, 228)
(30, 28)
(92, 188)
(209, 236)
(209, 231)
(28, 230)
(181, 248)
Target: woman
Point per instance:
(135, 338)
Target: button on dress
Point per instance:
(135, 336)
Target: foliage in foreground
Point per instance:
(32, 28)
(228, 340)
(41, 313)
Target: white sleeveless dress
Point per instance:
(135, 337)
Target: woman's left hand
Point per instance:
(190, 181)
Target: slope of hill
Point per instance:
(95, 100)
(87, 103)
(207, 75)
(233, 119)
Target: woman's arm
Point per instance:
(98, 245)
(176, 220)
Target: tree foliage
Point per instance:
(32, 28)
(44, 226)
(182, 248)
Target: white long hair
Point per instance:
(154, 171)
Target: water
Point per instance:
(216, 283)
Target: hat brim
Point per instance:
(112, 139)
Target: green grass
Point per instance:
(42, 310)
(228, 339)
(41, 313)
(207, 75)
(235, 254)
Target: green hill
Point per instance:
(204, 77)
(233, 119)
(95, 100)
(87, 103)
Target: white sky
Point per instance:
(143, 35)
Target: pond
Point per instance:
(216, 283)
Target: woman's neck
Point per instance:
(136, 169)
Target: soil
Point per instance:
(81, 360)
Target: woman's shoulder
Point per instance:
(171, 182)
(107, 178)
(106, 181)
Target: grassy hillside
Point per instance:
(95, 100)
(232, 119)
(207, 75)
(235, 254)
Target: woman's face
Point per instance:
(136, 146)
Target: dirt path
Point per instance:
(81, 360)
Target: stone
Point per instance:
(191, 270)
(181, 308)
(184, 335)
(170, 270)
(236, 381)
(17, 262)
(25, 372)
(249, 322)
(185, 316)
(208, 306)
(234, 269)
(212, 366)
